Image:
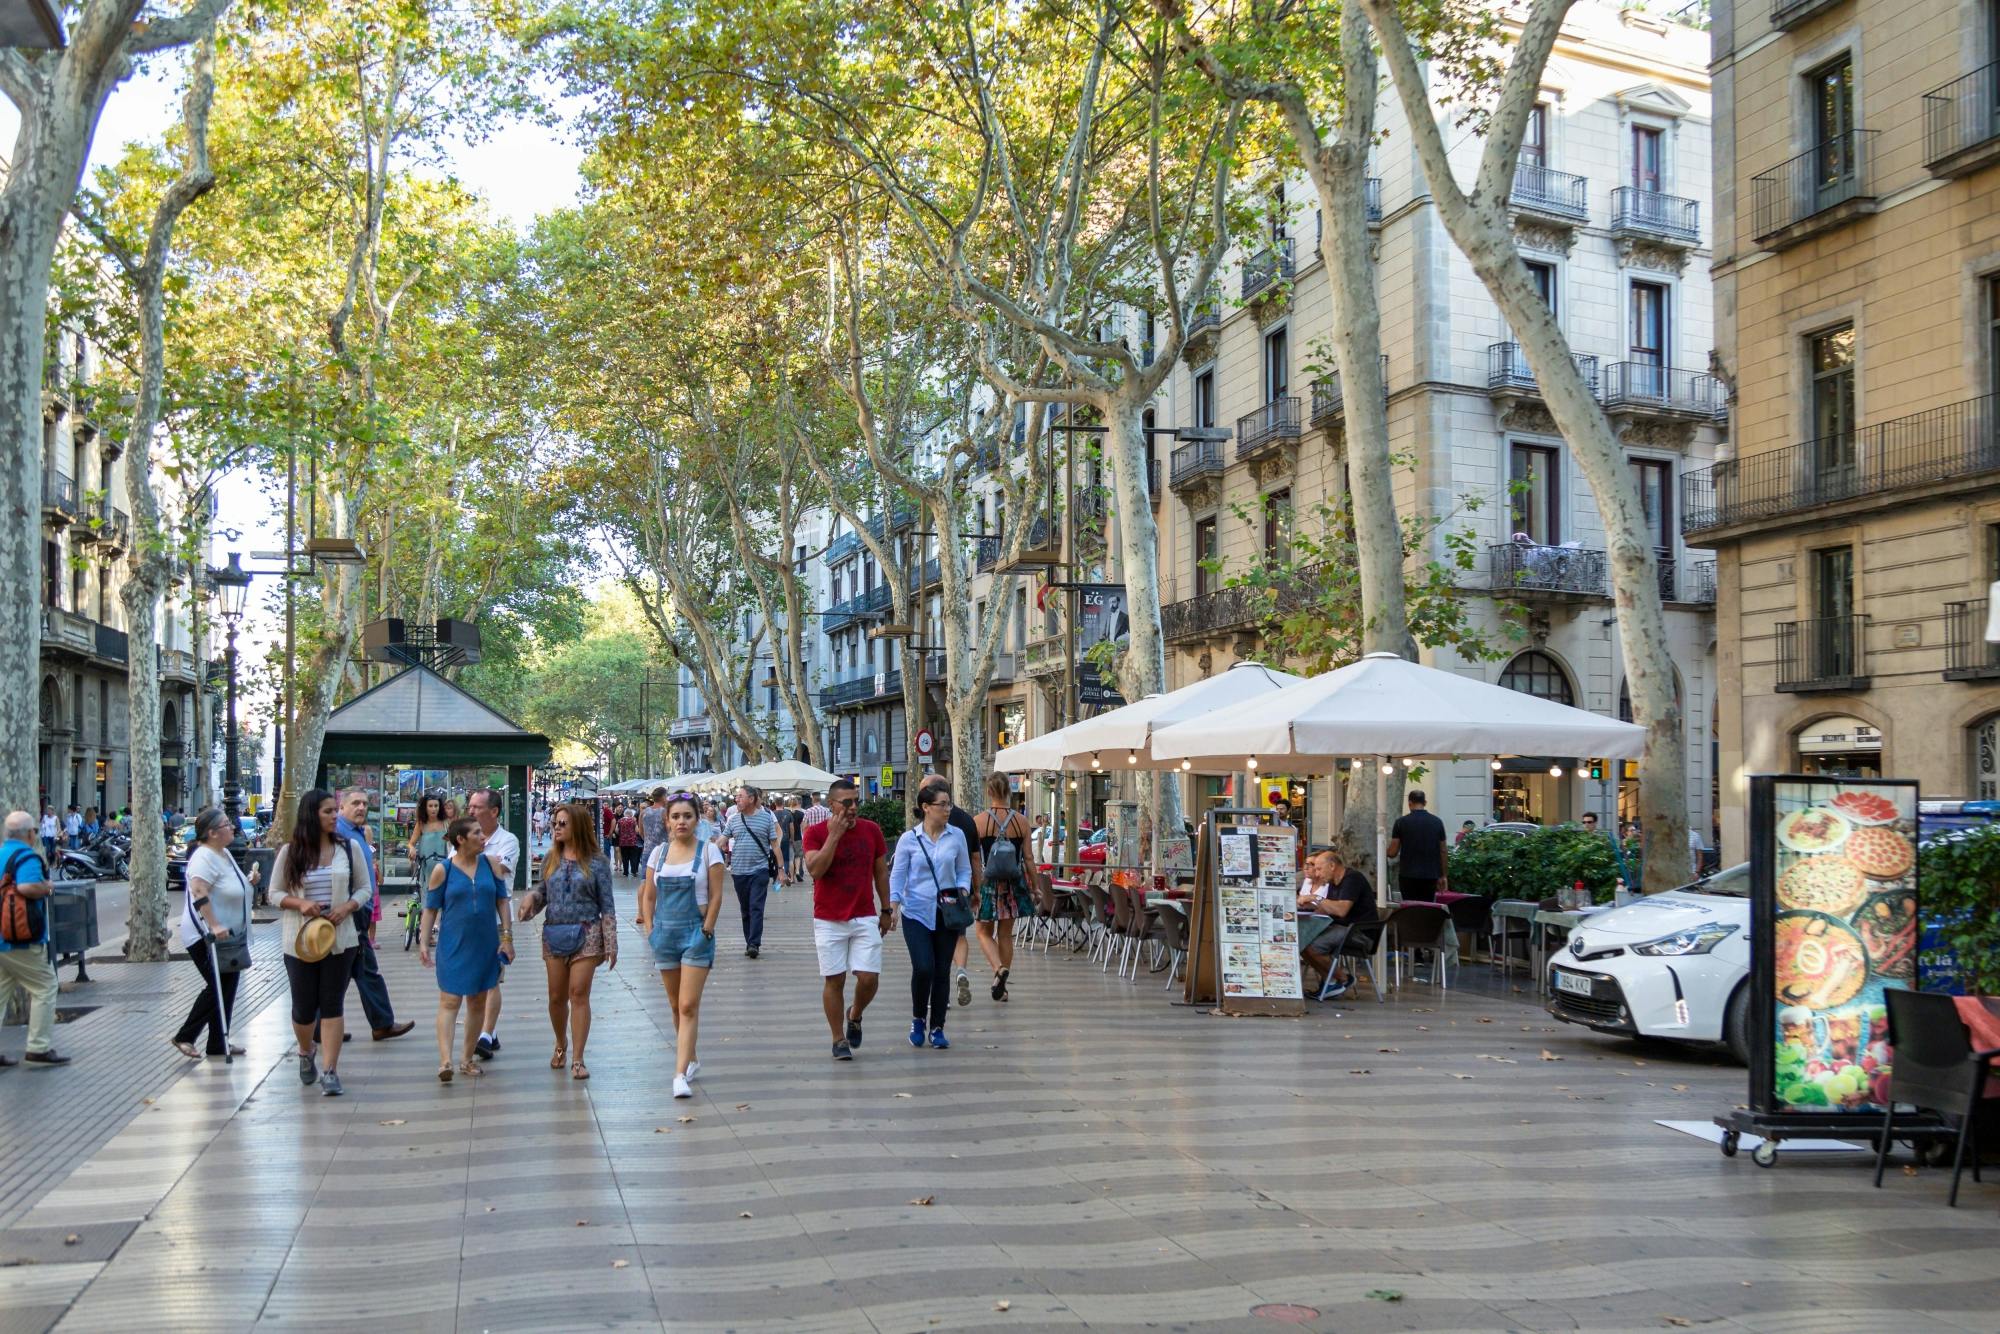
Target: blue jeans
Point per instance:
(931, 949)
(752, 888)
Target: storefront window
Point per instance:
(1526, 788)
(1839, 747)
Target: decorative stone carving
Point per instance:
(1542, 234)
(1279, 462)
(1639, 252)
(1527, 415)
(1650, 434)
(1206, 662)
(1199, 349)
(1270, 305)
(1201, 495)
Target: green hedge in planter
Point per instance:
(1499, 864)
(1959, 878)
(887, 812)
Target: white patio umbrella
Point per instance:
(1123, 737)
(780, 776)
(1387, 707)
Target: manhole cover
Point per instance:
(1285, 1313)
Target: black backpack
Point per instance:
(1003, 864)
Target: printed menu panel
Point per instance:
(1257, 901)
(1842, 930)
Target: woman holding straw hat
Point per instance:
(322, 881)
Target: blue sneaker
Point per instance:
(916, 1032)
(939, 1040)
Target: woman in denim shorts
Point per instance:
(679, 900)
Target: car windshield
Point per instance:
(1731, 880)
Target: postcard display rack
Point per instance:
(1246, 904)
(1833, 926)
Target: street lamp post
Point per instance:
(232, 590)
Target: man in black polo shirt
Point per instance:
(1417, 840)
(1334, 890)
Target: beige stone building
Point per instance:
(1857, 526)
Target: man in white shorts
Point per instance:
(848, 860)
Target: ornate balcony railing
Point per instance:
(690, 725)
(1700, 583)
(843, 693)
(1507, 370)
(1371, 195)
(1968, 657)
(1270, 426)
(1272, 264)
(1962, 122)
(1522, 567)
(1654, 216)
(1817, 181)
(1329, 400)
(1194, 461)
(1552, 193)
(1669, 390)
(1937, 445)
(1827, 653)
(841, 548)
(1206, 317)
(1241, 607)
(60, 497)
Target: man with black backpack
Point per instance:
(24, 938)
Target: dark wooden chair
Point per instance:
(1934, 1068)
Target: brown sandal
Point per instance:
(556, 1061)
(471, 1069)
(444, 1073)
(577, 1070)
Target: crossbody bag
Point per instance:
(770, 857)
(953, 912)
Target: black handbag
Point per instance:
(953, 912)
(232, 955)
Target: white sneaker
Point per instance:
(694, 1068)
(681, 1089)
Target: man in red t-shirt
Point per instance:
(848, 860)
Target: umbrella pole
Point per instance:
(1381, 868)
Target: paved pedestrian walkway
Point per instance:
(1086, 1156)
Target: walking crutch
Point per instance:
(221, 1010)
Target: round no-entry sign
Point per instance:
(926, 744)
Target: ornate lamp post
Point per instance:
(232, 591)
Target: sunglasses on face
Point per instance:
(850, 802)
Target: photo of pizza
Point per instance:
(1880, 852)
(1820, 962)
(1831, 885)
(1816, 829)
(1862, 807)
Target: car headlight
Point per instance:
(1695, 940)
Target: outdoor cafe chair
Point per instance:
(1098, 922)
(1936, 1070)
(1420, 927)
(1124, 926)
(1513, 919)
(1472, 918)
(1357, 945)
(1173, 934)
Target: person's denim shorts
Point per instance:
(677, 943)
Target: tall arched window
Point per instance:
(1536, 673)
(1985, 749)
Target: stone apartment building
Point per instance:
(1611, 208)
(83, 732)
(1857, 524)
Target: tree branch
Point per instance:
(1518, 90)
(190, 25)
(1411, 88)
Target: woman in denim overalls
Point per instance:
(679, 900)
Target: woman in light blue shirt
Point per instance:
(930, 878)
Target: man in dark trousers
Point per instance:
(1417, 840)
(352, 825)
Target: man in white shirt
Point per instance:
(502, 847)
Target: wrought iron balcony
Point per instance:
(1937, 445)
(1194, 462)
(61, 501)
(1507, 371)
(1667, 391)
(689, 725)
(111, 644)
(1828, 653)
(1968, 657)
(1790, 13)
(1700, 582)
(1371, 195)
(1329, 400)
(1823, 187)
(986, 554)
(1549, 193)
(901, 515)
(1272, 264)
(1651, 216)
(841, 548)
(1522, 567)
(1962, 123)
(1268, 429)
(1206, 317)
(843, 694)
(1238, 609)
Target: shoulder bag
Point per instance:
(953, 912)
(563, 939)
(770, 857)
(232, 955)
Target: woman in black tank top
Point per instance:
(1001, 900)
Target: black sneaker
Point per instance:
(853, 1030)
(751, 952)
(485, 1048)
(842, 1052)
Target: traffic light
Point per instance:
(1597, 771)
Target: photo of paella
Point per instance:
(1821, 961)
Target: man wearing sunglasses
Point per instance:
(848, 860)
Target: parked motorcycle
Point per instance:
(76, 864)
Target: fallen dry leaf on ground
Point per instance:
(1003, 1305)
(927, 1199)
(583, 1222)
(687, 1120)
(1389, 1051)
(399, 1121)
(662, 1130)
(744, 1214)
(72, 1239)
(1680, 1088)
(1679, 1321)
(1548, 1055)
(1360, 1072)
(906, 1095)
(1456, 1075)
(741, 1106)
(621, 1264)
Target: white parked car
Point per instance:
(1675, 965)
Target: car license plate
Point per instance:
(1574, 983)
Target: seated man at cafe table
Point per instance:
(1332, 889)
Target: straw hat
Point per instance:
(315, 939)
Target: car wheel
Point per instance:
(1736, 1024)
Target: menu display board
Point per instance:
(1257, 904)
(1835, 925)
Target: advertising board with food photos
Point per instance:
(1834, 922)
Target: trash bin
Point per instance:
(72, 912)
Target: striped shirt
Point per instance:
(744, 854)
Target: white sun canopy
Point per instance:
(1123, 738)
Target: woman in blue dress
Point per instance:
(468, 925)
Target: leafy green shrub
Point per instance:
(1959, 881)
(887, 812)
(1498, 864)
